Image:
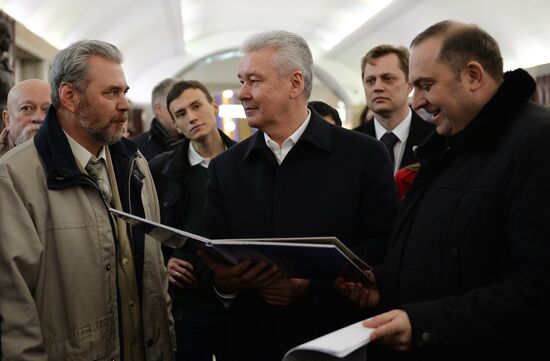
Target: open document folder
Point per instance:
(314, 258)
(348, 343)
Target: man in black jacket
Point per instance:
(467, 274)
(180, 176)
(163, 135)
(385, 75)
(280, 182)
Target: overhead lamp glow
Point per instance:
(229, 125)
(341, 109)
(235, 111)
(348, 20)
(227, 94)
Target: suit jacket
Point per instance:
(333, 182)
(418, 132)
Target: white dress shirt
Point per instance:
(83, 156)
(401, 131)
(281, 152)
(195, 158)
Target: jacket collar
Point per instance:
(159, 132)
(55, 152)
(316, 133)
(178, 164)
(484, 131)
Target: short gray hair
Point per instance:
(160, 91)
(70, 65)
(292, 53)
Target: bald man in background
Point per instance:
(27, 105)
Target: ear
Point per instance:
(474, 75)
(6, 118)
(157, 108)
(216, 106)
(296, 84)
(409, 88)
(69, 96)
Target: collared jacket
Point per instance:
(170, 172)
(58, 255)
(333, 182)
(156, 141)
(469, 260)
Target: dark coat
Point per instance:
(156, 141)
(419, 130)
(469, 260)
(333, 182)
(169, 171)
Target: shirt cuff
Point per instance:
(225, 298)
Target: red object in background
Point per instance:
(403, 179)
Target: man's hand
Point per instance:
(180, 272)
(392, 328)
(230, 279)
(365, 296)
(284, 291)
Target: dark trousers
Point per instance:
(201, 335)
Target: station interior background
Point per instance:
(199, 39)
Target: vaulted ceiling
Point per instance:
(161, 38)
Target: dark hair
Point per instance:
(379, 51)
(181, 86)
(323, 109)
(463, 43)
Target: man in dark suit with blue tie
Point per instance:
(385, 73)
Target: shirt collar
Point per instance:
(401, 130)
(195, 158)
(81, 154)
(294, 137)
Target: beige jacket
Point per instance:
(58, 284)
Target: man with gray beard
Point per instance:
(76, 283)
(27, 104)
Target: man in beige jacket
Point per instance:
(75, 282)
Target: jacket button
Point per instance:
(108, 267)
(454, 251)
(426, 337)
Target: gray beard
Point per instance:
(27, 133)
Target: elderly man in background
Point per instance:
(27, 105)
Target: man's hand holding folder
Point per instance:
(245, 274)
(275, 288)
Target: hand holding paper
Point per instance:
(392, 328)
(348, 343)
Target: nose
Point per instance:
(39, 115)
(244, 92)
(418, 100)
(378, 85)
(192, 116)
(124, 104)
